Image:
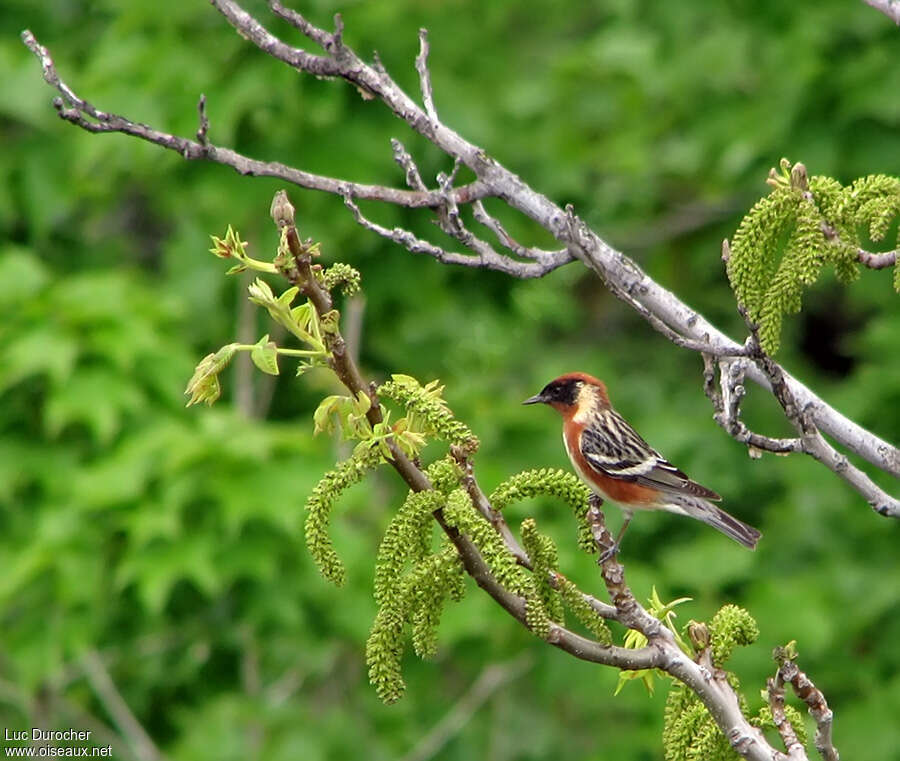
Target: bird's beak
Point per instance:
(536, 399)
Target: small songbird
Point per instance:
(617, 464)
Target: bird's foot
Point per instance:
(609, 553)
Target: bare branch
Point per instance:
(775, 690)
(250, 29)
(726, 401)
(406, 163)
(330, 42)
(789, 673)
(814, 444)
(83, 114)
(450, 221)
(487, 260)
(890, 8)
(425, 75)
(481, 215)
(878, 261)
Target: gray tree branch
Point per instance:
(890, 8)
(82, 113)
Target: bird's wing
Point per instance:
(612, 447)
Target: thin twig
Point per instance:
(203, 129)
(417, 245)
(322, 38)
(244, 376)
(813, 443)
(491, 679)
(406, 163)
(789, 673)
(792, 744)
(726, 401)
(83, 114)
(108, 694)
(525, 252)
(425, 75)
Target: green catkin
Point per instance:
(681, 727)
(418, 601)
(384, 652)
(711, 745)
(319, 506)
(460, 514)
(406, 539)
(752, 262)
(536, 617)
(764, 720)
(545, 562)
(433, 582)
(588, 617)
(731, 627)
(425, 403)
(785, 240)
(444, 474)
(554, 483)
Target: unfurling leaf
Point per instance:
(261, 293)
(230, 247)
(364, 403)
(265, 355)
(204, 383)
(288, 296)
(322, 416)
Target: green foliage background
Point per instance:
(171, 540)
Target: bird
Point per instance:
(617, 464)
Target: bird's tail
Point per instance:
(706, 511)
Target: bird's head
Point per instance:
(572, 392)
